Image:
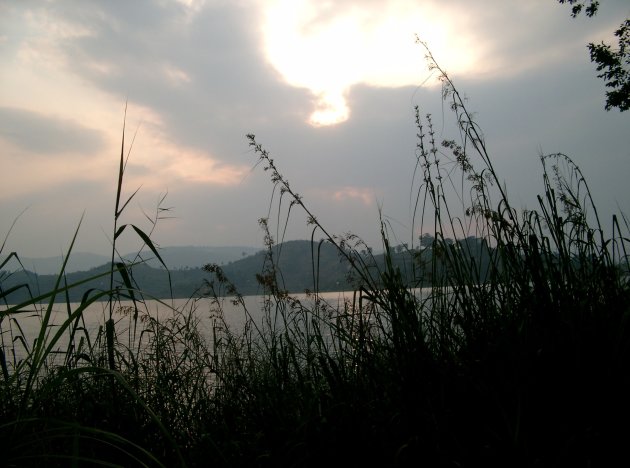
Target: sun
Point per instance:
(328, 47)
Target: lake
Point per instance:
(20, 330)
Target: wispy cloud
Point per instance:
(365, 195)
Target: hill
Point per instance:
(294, 257)
(175, 257)
(298, 269)
(301, 265)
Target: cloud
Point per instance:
(198, 76)
(330, 47)
(200, 68)
(182, 166)
(362, 194)
(44, 134)
(176, 76)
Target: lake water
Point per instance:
(20, 330)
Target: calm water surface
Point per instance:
(22, 329)
(19, 331)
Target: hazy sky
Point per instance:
(328, 87)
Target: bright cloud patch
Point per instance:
(160, 163)
(199, 168)
(364, 195)
(176, 76)
(331, 108)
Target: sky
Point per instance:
(327, 87)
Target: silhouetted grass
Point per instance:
(518, 354)
(65, 400)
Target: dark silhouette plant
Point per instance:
(613, 63)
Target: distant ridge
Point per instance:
(294, 261)
(175, 257)
(301, 265)
(78, 261)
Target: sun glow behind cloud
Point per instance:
(327, 47)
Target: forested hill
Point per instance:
(293, 257)
(303, 265)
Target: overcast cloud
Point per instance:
(197, 76)
(39, 134)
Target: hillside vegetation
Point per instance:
(304, 265)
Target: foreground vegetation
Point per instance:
(522, 359)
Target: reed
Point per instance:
(58, 399)
(517, 356)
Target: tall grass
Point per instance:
(60, 389)
(517, 354)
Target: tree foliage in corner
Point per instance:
(614, 64)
